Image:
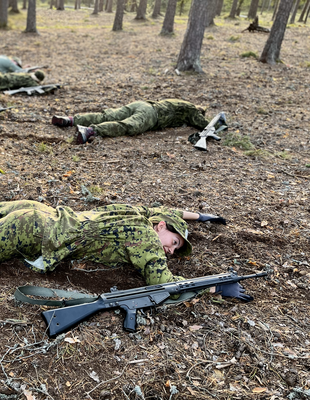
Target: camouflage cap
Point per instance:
(40, 75)
(181, 228)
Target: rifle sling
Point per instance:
(22, 294)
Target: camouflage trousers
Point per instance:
(132, 119)
(21, 230)
(16, 80)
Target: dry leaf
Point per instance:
(259, 390)
(264, 223)
(72, 340)
(27, 393)
(167, 384)
(195, 327)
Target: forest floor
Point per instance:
(257, 177)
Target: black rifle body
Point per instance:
(63, 319)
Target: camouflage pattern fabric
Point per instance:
(141, 116)
(16, 80)
(112, 234)
(7, 65)
(135, 118)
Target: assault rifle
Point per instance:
(63, 319)
(209, 132)
(33, 89)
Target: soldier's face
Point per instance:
(170, 241)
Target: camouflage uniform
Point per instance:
(16, 80)
(7, 65)
(109, 235)
(141, 116)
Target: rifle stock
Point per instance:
(63, 319)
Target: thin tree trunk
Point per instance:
(3, 13)
(24, 5)
(304, 10)
(276, 5)
(189, 56)
(141, 11)
(211, 12)
(61, 5)
(233, 10)
(307, 15)
(31, 17)
(253, 9)
(271, 52)
(156, 10)
(109, 5)
(133, 6)
(295, 9)
(96, 8)
(101, 4)
(167, 28)
(77, 4)
(118, 20)
(219, 6)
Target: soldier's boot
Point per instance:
(84, 134)
(63, 122)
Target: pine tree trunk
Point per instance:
(24, 5)
(276, 5)
(109, 6)
(133, 6)
(295, 9)
(233, 10)
(31, 17)
(219, 6)
(101, 3)
(271, 52)
(167, 28)
(3, 13)
(189, 56)
(77, 4)
(118, 20)
(211, 12)
(253, 9)
(96, 8)
(61, 5)
(156, 10)
(304, 10)
(14, 7)
(141, 11)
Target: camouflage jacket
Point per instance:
(16, 80)
(174, 113)
(111, 234)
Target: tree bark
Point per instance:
(271, 52)
(77, 4)
(211, 12)
(141, 11)
(31, 17)
(167, 28)
(253, 9)
(96, 8)
(219, 6)
(304, 10)
(101, 4)
(61, 5)
(295, 9)
(109, 5)
(307, 15)
(233, 10)
(3, 13)
(14, 6)
(133, 6)
(189, 56)
(156, 9)
(118, 20)
(275, 10)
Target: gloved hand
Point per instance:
(234, 290)
(211, 218)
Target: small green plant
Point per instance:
(236, 140)
(210, 37)
(234, 38)
(248, 54)
(258, 153)
(262, 111)
(70, 139)
(307, 64)
(44, 148)
(95, 189)
(76, 158)
(307, 165)
(284, 155)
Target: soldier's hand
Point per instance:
(215, 219)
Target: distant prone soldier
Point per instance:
(136, 118)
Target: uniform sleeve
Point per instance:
(164, 210)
